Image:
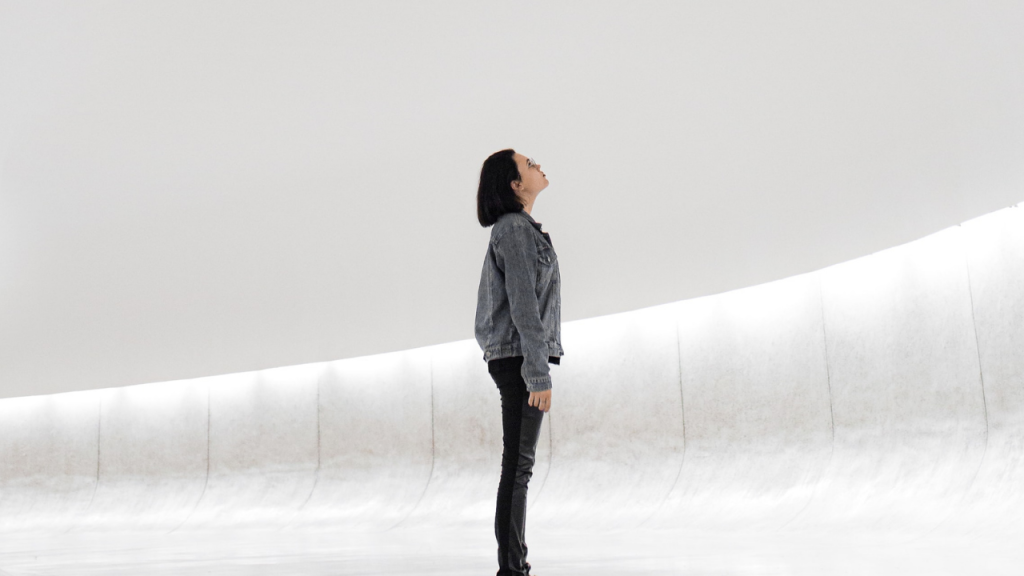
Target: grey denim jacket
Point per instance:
(518, 307)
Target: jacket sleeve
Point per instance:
(518, 252)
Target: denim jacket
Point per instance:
(518, 307)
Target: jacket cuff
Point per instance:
(538, 384)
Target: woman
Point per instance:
(518, 327)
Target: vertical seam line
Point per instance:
(984, 403)
(316, 473)
(831, 410)
(206, 481)
(682, 417)
(96, 486)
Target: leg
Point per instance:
(520, 433)
(529, 434)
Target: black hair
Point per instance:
(495, 195)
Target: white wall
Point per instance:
(879, 396)
(190, 189)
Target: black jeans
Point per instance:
(520, 424)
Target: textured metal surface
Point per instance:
(876, 405)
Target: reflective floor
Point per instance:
(470, 551)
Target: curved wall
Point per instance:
(884, 393)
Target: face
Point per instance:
(533, 179)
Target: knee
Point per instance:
(524, 470)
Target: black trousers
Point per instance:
(520, 425)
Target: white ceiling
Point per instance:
(199, 188)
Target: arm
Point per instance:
(518, 250)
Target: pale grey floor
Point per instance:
(470, 552)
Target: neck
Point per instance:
(528, 207)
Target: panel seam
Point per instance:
(682, 414)
(206, 481)
(831, 409)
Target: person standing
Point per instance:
(518, 328)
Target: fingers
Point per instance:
(540, 400)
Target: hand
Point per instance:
(542, 400)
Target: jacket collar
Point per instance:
(526, 215)
(535, 224)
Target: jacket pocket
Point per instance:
(545, 254)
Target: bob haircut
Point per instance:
(495, 196)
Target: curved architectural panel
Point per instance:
(263, 447)
(616, 423)
(49, 459)
(756, 406)
(881, 398)
(375, 442)
(907, 401)
(994, 246)
(152, 456)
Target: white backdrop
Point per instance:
(199, 188)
